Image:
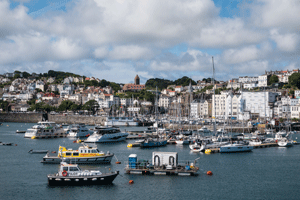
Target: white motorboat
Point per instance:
(204, 129)
(107, 134)
(79, 130)
(235, 147)
(285, 142)
(196, 147)
(45, 129)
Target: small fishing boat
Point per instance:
(37, 151)
(84, 155)
(153, 142)
(71, 174)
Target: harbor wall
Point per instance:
(21, 117)
(75, 119)
(60, 119)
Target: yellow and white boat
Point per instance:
(84, 155)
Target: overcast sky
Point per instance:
(117, 39)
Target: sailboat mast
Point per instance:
(214, 94)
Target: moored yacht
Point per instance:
(71, 174)
(84, 155)
(79, 130)
(235, 147)
(107, 134)
(45, 129)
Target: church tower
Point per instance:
(137, 80)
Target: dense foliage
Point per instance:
(142, 95)
(294, 80)
(163, 83)
(4, 105)
(273, 79)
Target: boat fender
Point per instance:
(209, 173)
(64, 173)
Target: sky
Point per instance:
(118, 39)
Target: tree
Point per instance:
(65, 105)
(4, 105)
(273, 79)
(91, 105)
(294, 80)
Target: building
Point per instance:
(248, 79)
(135, 86)
(259, 103)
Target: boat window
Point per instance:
(65, 168)
(68, 153)
(76, 154)
(74, 169)
(89, 151)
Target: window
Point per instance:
(73, 169)
(65, 168)
(68, 153)
(76, 154)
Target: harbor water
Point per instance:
(265, 173)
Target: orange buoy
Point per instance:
(131, 182)
(16, 145)
(209, 173)
(53, 152)
(118, 162)
(74, 141)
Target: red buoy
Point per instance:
(209, 173)
(131, 181)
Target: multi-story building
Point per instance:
(164, 101)
(248, 79)
(263, 80)
(200, 108)
(219, 106)
(259, 103)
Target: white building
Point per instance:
(40, 85)
(297, 93)
(219, 106)
(164, 101)
(178, 89)
(200, 108)
(250, 85)
(258, 102)
(263, 80)
(248, 79)
(234, 106)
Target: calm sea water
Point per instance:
(270, 173)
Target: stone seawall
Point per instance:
(36, 117)
(21, 117)
(74, 119)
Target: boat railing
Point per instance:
(145, 164)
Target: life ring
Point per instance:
(64, 173)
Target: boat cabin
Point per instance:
(83, 151)
(66, 169)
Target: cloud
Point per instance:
(246, 54)
(227, 32)
(285, 42)
(276, 13)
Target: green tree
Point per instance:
(4, 105)
(65, 105)
(294, 80)
(91, 105)
(273, 79)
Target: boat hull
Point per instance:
(226, 149)
(107, 138)
(103, 179)
(81, 160)
(153, 144)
